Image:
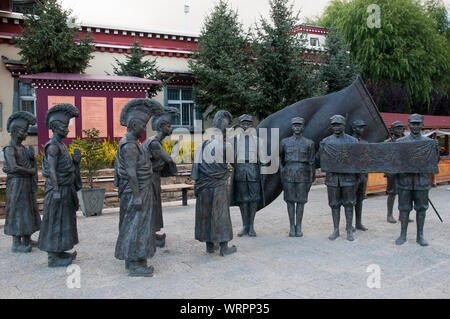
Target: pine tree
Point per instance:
(136, 65)
(341, 70)
(49, 44)
(282, 77)
(221, 64)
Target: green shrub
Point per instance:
(92, 155)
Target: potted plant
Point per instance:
(91, 198)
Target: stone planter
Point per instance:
(91, 200)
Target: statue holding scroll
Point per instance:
(358, 127)
(340, 186)
(297, 156)
(397, 129)
(22, 213)
(413, 188)
(59, 223)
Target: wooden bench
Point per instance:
(177, 187)
(165, 189)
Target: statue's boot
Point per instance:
(245, 222)
(404, 228)
(55, 260)
(336, 214)
(292, 231)
(68, 255)
(420, 221)
(26, 243)
(299, 217)
(390, 207)
(28, 239)
(291, 213)
(17, 246)
(349, 223)
(210, 248)
(251, 220)
(160, 240)
(358, 216)
(225, 250)
(139, 269)
(127, 263)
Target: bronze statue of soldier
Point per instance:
(247, 188)
(59, 224)
(210, 172)
(22, 213)
(413, 188)
(358, 127)
(297, 156)
(162, 164)
(397, 129)
(340, 186)
(133, 172)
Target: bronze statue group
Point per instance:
(139, 168)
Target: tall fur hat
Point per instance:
(61, 112)
(22, 116)
(141, 108)
(169, 113)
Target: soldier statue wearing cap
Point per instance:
(413, 188)
(22, 213)
(340, 186)
(59, 223)
(397, 129)
(133, 172)
(247, 188)
(162, 163)
(297, 155)
(358, 128)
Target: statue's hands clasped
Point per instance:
(137, 203)
(76, 156)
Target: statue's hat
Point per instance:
(358, 122)
(337, 119)
(297, 120)
(22, 117)
(245, 118)
(141, 108)
(169, 113)
(62, 113)
(397, 124)
(415, 118)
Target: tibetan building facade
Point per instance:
(172, 50)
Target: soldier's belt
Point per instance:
(390, 158)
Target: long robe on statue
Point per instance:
(59, 223)
(212, 209)
(22, 213)
(160, 169)
(136, 240)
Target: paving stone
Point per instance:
(271, 265)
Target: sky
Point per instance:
(169, 14)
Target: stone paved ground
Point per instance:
(271, 265)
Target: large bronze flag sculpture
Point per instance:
(353, 102)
